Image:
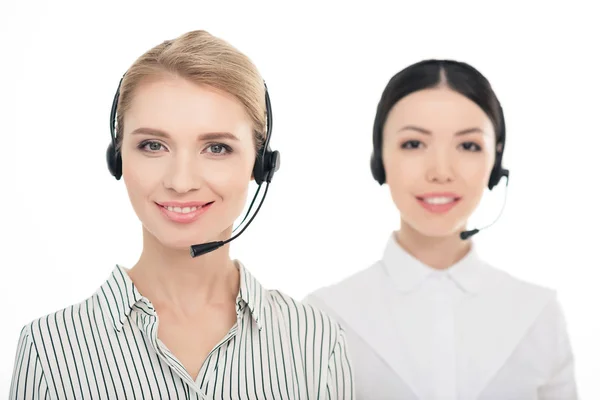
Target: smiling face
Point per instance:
(438, 152)
(188, 152)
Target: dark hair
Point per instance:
(458, 76)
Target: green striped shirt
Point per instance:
(106, 347)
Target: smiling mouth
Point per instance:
(185, 210)
(438, 204)
(184, 213)
(438, 200)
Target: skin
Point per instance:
(174, 150)
(437, 140)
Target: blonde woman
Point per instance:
(191, 119)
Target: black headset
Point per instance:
(267, 161)
(378, 170)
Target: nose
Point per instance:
(440, 167)
(183, 174)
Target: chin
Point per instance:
(175, 239)
(176, 243)
(183, 244)
(437, 229)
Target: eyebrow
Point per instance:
(427, 132)
(202, 136)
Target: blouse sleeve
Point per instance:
(340, 378)
(561, 383)
(28, 381)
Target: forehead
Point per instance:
(178, 106)
(438, 109)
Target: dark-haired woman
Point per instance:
(431, 319)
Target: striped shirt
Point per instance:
(106, 347)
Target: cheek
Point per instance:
(231, 188)
(140, 176)
(227, 185)
(229, 179)
(403, 172)
(225, 173)
(404, 177)
(475, 171)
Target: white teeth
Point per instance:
(439, 200)
(183, 210)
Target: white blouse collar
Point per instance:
(407, 272)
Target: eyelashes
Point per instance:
(417, 144)
(216, 149)
(150, 146)
(219, 146)
(411, 144)
(471, 146)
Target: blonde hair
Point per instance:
(205, 60)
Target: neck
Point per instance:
(171, 277)
(436, 252)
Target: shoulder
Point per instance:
(319, 340)
(522, 291)
(521, 302)
(541, 310)
(48, 332)
(500, 282)
(304, 320)
(349, 292)
(359, 282)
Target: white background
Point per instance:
(66, 221)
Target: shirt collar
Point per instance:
(118, 295)
(253, 295)
(408, 273)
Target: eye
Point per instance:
(411, 144)
(470, 146)
(150, 146)
(219, 149)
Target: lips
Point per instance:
(438, 203)
(438, 200)
(184, 212)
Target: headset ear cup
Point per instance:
(265, 166)
(494, 178)
(114, 162)
(377, 169)
(496, 174)
(258, 171)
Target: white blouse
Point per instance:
(468, 332)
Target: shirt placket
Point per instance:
(207, 381)
(206, 378)
(148, 323)
(444, 343)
